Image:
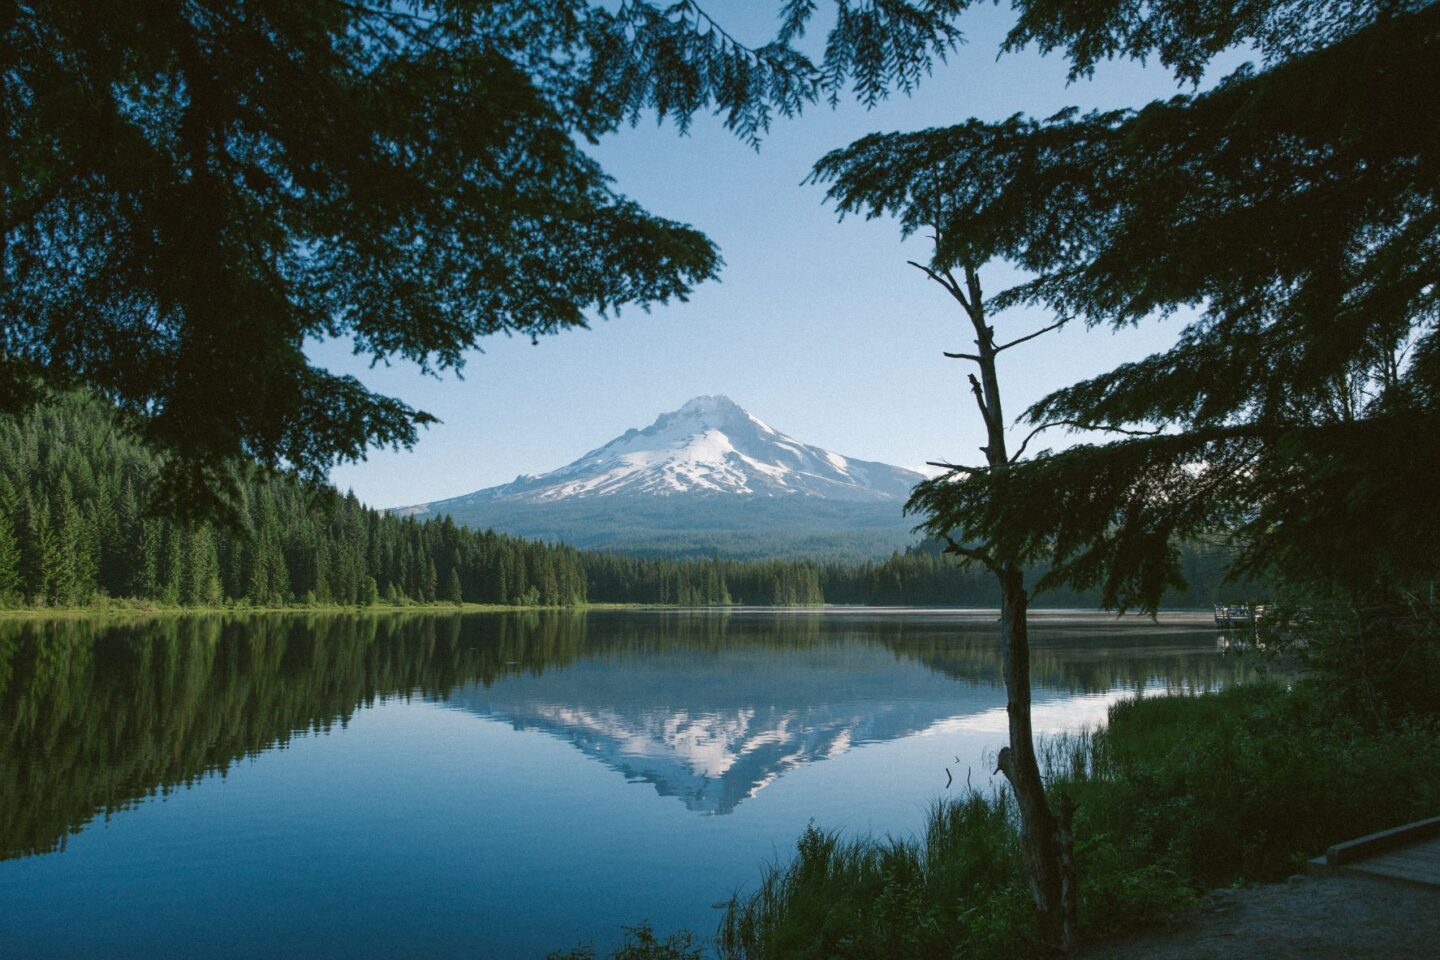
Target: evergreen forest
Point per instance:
(75, 529)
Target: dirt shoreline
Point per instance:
(1340, 917)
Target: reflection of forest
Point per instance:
(1091, 659)
(94, 717)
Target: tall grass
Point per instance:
(641, 943)
(1245, 784)
(959, 882)
(1176, 795)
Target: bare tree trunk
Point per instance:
(1040, 834)
(1046, 838)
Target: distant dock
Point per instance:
(1237, 615)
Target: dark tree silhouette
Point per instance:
(192, 192)
(1045, 834)
(1296, 211)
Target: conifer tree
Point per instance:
(1297, 205)
(10, 583)
(145, 574)
(431, 584)
(172, 564)
(202, 574)
(47, 575)
(193, 190)
(76, 561)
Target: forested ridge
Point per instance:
(74, 529)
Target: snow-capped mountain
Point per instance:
(709, 472)
(710, 445)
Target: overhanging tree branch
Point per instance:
(1078, 425)
(972, 553)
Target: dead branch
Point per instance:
(948, 283)
(979, 392)
(1015, 343)
(944, 465)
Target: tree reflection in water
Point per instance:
(95, 717)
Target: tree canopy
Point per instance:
(193, 191)
(1293, 213)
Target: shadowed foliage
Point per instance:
(1293, 214)
(194, 193)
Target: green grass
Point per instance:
(1249, 783)
(1177, 795)
(642, 944)
(960, 881)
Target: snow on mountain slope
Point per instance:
(709, 446)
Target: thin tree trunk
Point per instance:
(1039, 827)
(1045, 838)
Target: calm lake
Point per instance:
(490, 785)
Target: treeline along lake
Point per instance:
(74, 527)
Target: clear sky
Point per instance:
(816, 326)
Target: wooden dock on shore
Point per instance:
(1409, 854)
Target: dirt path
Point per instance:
(1342, 917)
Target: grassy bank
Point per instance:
(1176, 795)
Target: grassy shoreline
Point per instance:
(119, 609)
(1177, 796)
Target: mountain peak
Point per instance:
(715, 410)
(711, 403)
(705, 479)
(709, 446)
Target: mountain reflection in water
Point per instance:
(708, 707)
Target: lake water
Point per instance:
(492, 785)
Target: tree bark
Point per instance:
(1039, 828)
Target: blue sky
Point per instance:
(816, 326)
